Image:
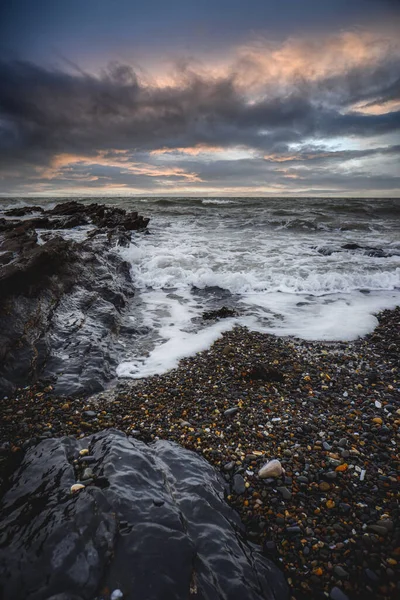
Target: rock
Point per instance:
(87, 473)
(238, 484)
(378, 529)
(118, 537)
(324, 486)
(342, 443)
(273, 468)
(221, 313)
(293, 530)
(61, 300)
(229, 466)
(337, 594)
(340, 572)
(372, 576)
(286, 494)
(89, 414)
(265, 373)
(351, 246)
(231, 411)
(326, 446)
(77, 487)
(302, 479)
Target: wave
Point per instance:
(218, 201)
(154, 268)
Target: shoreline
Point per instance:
(327, 410)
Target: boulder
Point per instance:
(152, 525)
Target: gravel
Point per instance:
(331, 520)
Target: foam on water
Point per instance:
(275, 278)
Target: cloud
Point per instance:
(120, 129)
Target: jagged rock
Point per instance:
(61, 300)
(161, 530)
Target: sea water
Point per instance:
(278, 262)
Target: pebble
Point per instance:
(273, 468)
(319, 527)
(337, 594)
(286, 494)
(231, 411)
(87, 473)
(116, 595)
(340, 572)
(238, 484)
(324, 486)
(77, 487)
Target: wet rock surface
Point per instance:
(150, 524)
(62, 301)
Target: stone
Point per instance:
(238, 484)
(286, 494)
(265, 373)
(324, 486)
(89, 541)
(273, 468)
(87, 473)
(77, 487)
(302, 479)
(340, 572)
(337, 594)
(231, 411)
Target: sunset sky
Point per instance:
(206, 97)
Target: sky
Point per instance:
(200, 97)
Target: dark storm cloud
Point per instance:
(43, 112)
(284, 106)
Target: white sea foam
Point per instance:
(278, 281)
(217, 201)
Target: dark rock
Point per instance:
(238, 484)
(372, 377)
(294, 529)
(22, 211)
(63, 299)
(340, 572)
(265, 373)
(161, 526)
(351, 246)
(337, 594)
(286, 494)
(231, 411)
(221, 313)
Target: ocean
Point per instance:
(316, 268)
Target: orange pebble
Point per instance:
(342, 467)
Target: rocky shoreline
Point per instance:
(65, 293)
(329, 412)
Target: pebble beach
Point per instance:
(328, 411)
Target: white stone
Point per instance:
(76, 487)
(273, 468)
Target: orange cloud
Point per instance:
(192, 151)
(376, 108)
(63, 164)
